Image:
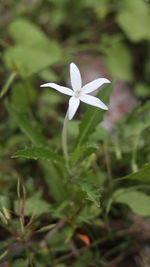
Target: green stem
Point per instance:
(7, 84)
(134, 154)
(64, 138)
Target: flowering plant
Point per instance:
(74, 188)
(79, 93)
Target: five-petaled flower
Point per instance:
(79, 93)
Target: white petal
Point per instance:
(61, 89)
(93, 101)
(90, 87)
(75, 77)
(73, 106)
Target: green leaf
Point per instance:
(119, 60)
(91, 190)
(142, 175)
(27, 33)
(22, 96)
(31, 34)
(54, 178)
(33, 51)
(27, 127)
(58, 241)
(100, 134)
(137, 121)
(88, 214)
(49, 75)
(28, 61)
(138, 202)
(81, 152)
(93, 116)
(46, 228)
(4, 202)
(19, 263)
(142, 90)
(34, 206)
(73, 128)
(134, 19)
(41, 153)
(84, 259)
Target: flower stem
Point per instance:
(64, 138)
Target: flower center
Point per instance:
(77, 93)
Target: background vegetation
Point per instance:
(97, 212)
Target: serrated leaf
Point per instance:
(138, 202)
(91, 190)
(93, 117)
(27, 127)
(81, 152)
(41, 153)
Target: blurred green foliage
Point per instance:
(81, 216)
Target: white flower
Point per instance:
(79, 93)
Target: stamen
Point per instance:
(77, 93)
